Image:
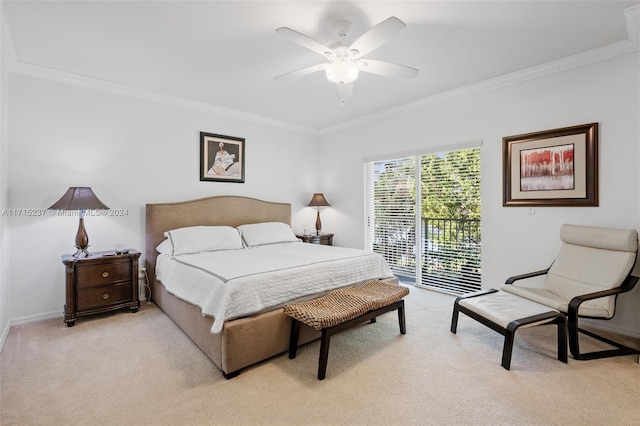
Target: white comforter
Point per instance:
(234, 283)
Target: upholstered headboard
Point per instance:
(219, 210)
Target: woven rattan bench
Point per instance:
(342, 309)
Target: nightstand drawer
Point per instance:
(106, 273)
(93, 297)
(99, 283)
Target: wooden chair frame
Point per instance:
(552, 317)
(573, 318)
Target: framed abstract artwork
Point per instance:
(556, 167)
(221, 158)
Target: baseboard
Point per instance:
(610, 327)
(599, 325)
(5, 333)
(34, 318)
(26, 320)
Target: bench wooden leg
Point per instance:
(324, 354)
(329, 331)
(293, 338)
(371, 316)
(401, 321)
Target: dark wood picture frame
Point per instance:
(556, 167)
(221, 158)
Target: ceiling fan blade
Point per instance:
(387, 69)
(345, 90)
(302, 71)
(305, 41)
(377, 36)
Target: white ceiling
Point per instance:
(226, 53)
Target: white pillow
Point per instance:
(165, 247)
(196, 239)
(258, 234)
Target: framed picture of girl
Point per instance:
(221, 158)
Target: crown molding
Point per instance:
(6, 42)
(623, 47)
(632, 20)
(46, 73)
(613, 50)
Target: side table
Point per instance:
(102, 282)
(324, 239)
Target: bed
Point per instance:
(242, 340)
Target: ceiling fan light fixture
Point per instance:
(342, 72)
(346, 58)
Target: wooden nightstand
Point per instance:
(100, 283)
(324, 239)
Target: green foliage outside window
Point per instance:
(450, 211)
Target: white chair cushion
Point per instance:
(539, 295)
(502, 308)
(591, 259)
(545, 297)
(599, 237)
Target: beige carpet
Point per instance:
(140, 369)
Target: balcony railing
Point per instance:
(451, 252)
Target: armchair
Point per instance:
(593, 267)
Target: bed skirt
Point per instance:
(243, 341)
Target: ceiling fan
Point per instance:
(345, 59)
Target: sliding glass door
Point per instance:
(423, 216)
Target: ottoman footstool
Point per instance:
(505, 313)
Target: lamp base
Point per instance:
(318, 224)
(82, 252)
(82, 239)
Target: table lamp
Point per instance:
(80, 198)
(318, 201)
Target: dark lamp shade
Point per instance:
(79, 198)
(318, 200)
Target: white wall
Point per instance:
(513, 241)
(4, 239)
(131, 152)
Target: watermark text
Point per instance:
(46, 212)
